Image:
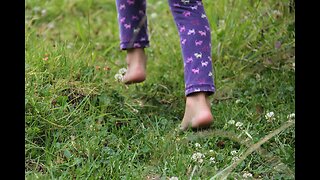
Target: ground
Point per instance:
(80, 122)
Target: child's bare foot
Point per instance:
(197, 112)
(136, 61)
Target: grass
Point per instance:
(81, 123)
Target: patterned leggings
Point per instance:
(195, 38)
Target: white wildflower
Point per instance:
(212, 160)
(173, 178)
(118, 77)
(276, 13)
(36, 9)
(70, 45)
(231, 122)
(200, 161)
(238, 101)
(122, 71)
(291, 116)
(43, 12)
(234, 152)
(211, 151)
(153, 15)
(159, 3)
(197, 157)
(294, 66)
(239, 125)
(270, 116)
(50, 25)
(247, 175)
(236, 158)
(197, 145)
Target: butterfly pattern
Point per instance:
(195, 38)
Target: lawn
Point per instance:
(81, 123)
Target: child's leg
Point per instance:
(195, 41)
(132, 22)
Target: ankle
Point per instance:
(135, 51)
(197, 96)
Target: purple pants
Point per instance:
(195, 38)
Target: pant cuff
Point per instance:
(208, 88)
(137, 44)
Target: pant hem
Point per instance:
(136, 44)
(208, 88)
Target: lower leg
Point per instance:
(136, 66)
(195, 36)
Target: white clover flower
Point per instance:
(200, 161)
(122, 71)
(211, 151)
(212, 160)
(234, 152)
(236, 158)
(43, 12)
(50, 25)
(173, 178)
(277, 13)
(238, 101)
(294, 66)
(231, 122)
(118, 77)
(153, 15)
(291, 116)
(247, 175)
(239, 125)
(197, 145)
(36, 9)
(70, 45)
(197, 157)
(158, 3)
(270, 116)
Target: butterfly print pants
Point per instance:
(195, 38)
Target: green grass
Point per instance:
(81, 123)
